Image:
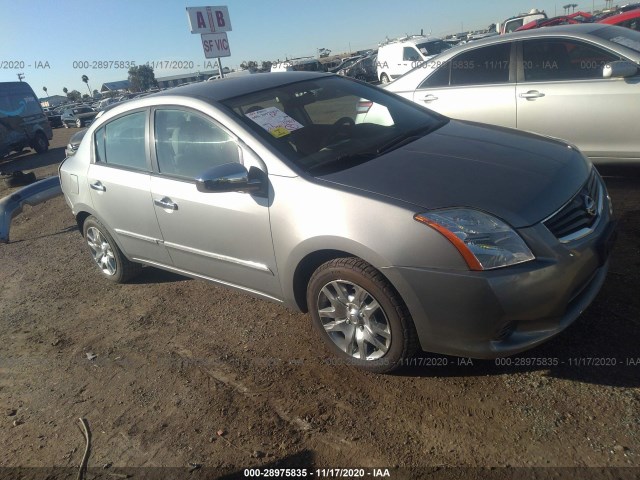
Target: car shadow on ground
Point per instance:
(30, 161)
(72, 228)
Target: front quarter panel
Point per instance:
(311, 216)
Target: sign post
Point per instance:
(211, 23)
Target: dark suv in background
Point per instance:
(22, 122)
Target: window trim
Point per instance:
(155, 172)
(94, 145)
(520, 63)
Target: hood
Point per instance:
(519, 177)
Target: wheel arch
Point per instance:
(81, 217)
(310, 262)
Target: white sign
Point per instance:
(209, 19)
(274, 121)
(215, 45)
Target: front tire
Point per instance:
(384, 78)
(112, 263)
(78, 123)
(360, 316)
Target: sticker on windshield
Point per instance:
(274, 121)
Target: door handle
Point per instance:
(98, 186)
(429, 98)
(531, 94)
(166, 203)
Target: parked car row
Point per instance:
(575, 82)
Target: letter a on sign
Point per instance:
(209, 19)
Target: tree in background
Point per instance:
(74, 95)
(96, 94)
(141, 78)
(85, 79)
(266, 66)
(45, 91)
(86, 97)
(65, 90)
(250, 65)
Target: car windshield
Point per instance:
(330, 124)
(433, 48)
(622, 36)
(82, 110)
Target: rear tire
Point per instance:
(40, 143)
(384, 78)
(360, 316)
(78, 123)
(110, 260)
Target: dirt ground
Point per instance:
(174, 372)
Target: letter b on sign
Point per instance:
(220, 18)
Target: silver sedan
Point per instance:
(575, 82)
(427, 233)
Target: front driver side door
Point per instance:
(224, 237)
(561, 92)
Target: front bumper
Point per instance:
(506, 311)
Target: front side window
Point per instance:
(188, 144)
(410, 54)
(121, 142)
(553, 60)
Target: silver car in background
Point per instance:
(580, 83)
(454, 237)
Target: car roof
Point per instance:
(226, 88)
(621, 17)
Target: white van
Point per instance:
(398, 57)
(513, 23)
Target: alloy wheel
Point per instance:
(354, 320)
(101, 251)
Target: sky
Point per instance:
(51, 44)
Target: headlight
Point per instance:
(484, 241)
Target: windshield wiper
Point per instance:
(408, 137)
(342, 162)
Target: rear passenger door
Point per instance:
(561, 92)
(224, 237)
(477, 85)
(120, 185)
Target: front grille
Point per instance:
(578, 217)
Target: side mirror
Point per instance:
(619, 69)
(230, 177)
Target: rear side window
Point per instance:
(485, 65)
(121, 142)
